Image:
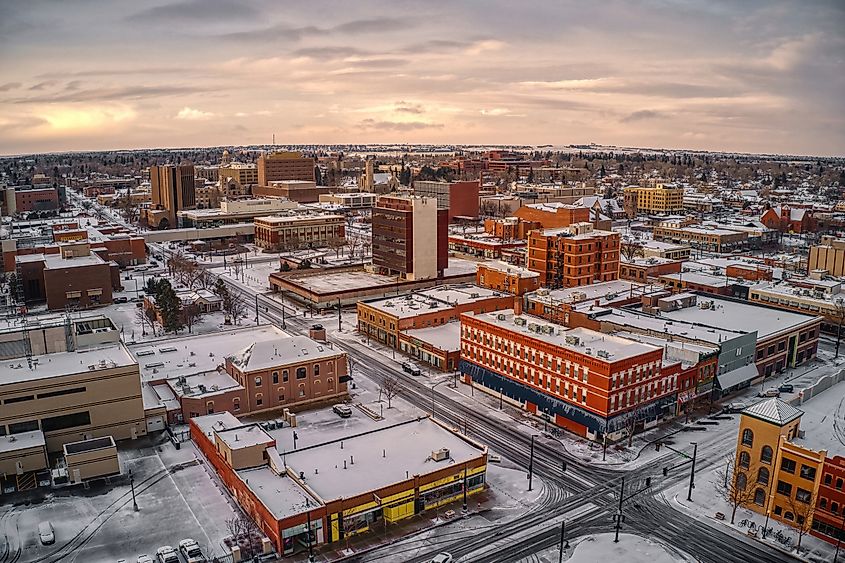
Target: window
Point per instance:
(827, 479)
(784, 488)
(747, 437)
(763, 476)
(302, 390)
(787, 465)
(258, 381)
(808, 472)
(275, 377)
(281, 392)
(209, 407)
(766, 454)
(839, 484)
(70, 391)
(788, 516)
(19, 399)
(236, 404)
(284, 376)
(316, 369)
(19, 427)
(65, 421)
(834, 507)
(259, 399)
(330, 384)
(802, 495)
(301, 373)
(778, 510)
(823, 504)
(759, 497)
(741, 481)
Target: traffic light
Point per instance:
(647, 482)
(657, 446)
(563, 465)
(665, 471)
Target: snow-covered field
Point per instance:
(601, 548)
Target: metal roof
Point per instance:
(774, 411)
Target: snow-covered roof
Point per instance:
(445, 337)
(774, 411)
(272, 353)
(504, 267)
(61, 364)
(21, 441)
(282, 496)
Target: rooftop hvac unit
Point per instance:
(474, 295)
(542, 292)
(704, 305)
(500, 316)
(440, 455)
(548, 329)
(573, 340)
(603, 354)
(520, 321)
(578, 295)
(532, 327)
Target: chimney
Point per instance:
(517, 305)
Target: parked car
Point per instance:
(343, 411)
(145, 559)
(139, 304)
(770, 392)
(410, 367)
(786, 388)
(120, 300)
(166, 554)
(494, 458)
(191, 551)
(736, 407)
(442, 558)
(46, 533)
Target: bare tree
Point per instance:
(190, 314)
(235, 307)
(802, 511)
(390, 387)
(630, 250)
(734, 486)
(839, 422)
(633, 417)
(141, 317)
(243, 530)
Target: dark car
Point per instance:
(786, 388)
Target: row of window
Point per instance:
(45, 395)
(301, 373)
(49, 423)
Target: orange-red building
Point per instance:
(788, 219)
(510, 228)
(645, 269)
(573, 256)
(553, 215)
(583, 380)
(502, 276)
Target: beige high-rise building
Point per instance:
(660, 198)
(829, 255)
(172, 190)
(285, 165)
(236, 176)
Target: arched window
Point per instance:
(834, 507)
(788, 516)
(316, 369)
(823, 503)
(747, 437)
(766, 454)
(759, 497)
(259, 399)
(330, 384)
(236, 404)
(839, 484)
(827, 479)
(301, 373)
(763, 476)
(209, 407)
(744, 459)
(302, 390)
(741, 481)
(258, 381)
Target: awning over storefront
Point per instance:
(737, 376)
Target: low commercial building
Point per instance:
(569, 306)
(647, 269)
(482, 245)
(710, 239)
(510, 228)
(354, 200)
(234, 211)
(436, 346)
(808, 296)
(590, 383)
(91, 459)
(296, 231)
(501, 276)
(334, 489)
(553, 215)
(658, 249)
(383, 319)
(301, 191)
(69, 281)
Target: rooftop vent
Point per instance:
(440, 455)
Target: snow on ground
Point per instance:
(601, 548)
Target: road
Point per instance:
(647, 513)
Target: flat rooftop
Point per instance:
(445, 337)
(659, 325)
(434, 299)
(741, 316)
(589, 342)
(61, 364)
(818, 420)
(282, 496)
(190, 355)
(270, 353)
(609, 291)
(56, 262)
(506, 268)
(381, 458)
(21, 441)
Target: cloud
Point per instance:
(191, 114)
(194, 10)
(642, 115)
(406, 107)
(76, 118)
(41, 85)
(285, 32)
(478, 47)
(10, 86)
(399, 125)
(110, 94)
(495, 111)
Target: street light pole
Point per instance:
(619, 510)
(531, 463)
(692, 471)
(132, 485)
(839, 539)
(564, 543)
(256, 308)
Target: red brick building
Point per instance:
(573, 256)
(459, 198)
(510, 228)
(788, 219)
(585, 381)
(553, 215)
(829, 515)
(645, 269)
(502, 276)
(410, 237)
(36, 199)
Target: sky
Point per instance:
(746, 76)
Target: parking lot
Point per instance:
(177, 499)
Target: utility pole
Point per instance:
(692, 471)
(465, 489)
(284, 324)
(132, 485)
(618, 517)
(339, 327)
(256, 308)
(531, 463)
(310, 547)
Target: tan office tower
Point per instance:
(172, 190)
(285, 166)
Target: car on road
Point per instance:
(443, 557)
(120, 299)
(46, 533)
(166, 554)
(736, 407)
(786, 388)
(145, 559)
(770, 392)
(191, 551)
(410, 367)
(341, 410)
